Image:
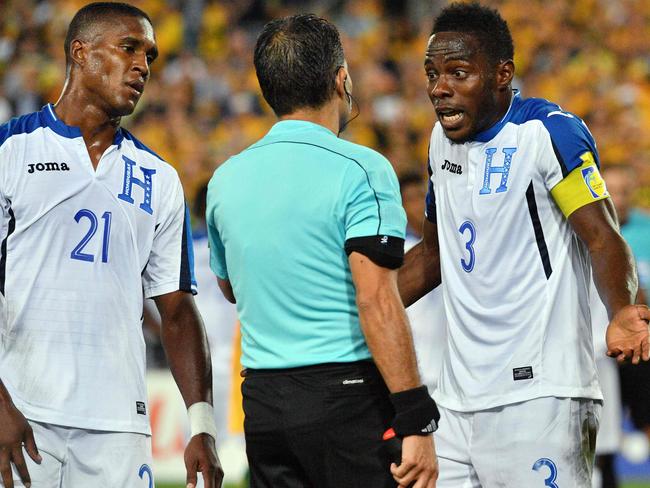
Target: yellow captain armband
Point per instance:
(580, 187)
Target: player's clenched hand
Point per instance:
(627, 334)
(14, 432)
(419, 466)
(201, 456)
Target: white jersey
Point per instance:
(610, 431)
(515, 276)
(80, 249)
(427, 319)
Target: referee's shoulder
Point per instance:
(230, 164)
(364, 156)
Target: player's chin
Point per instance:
(458, 135)
(125, 107)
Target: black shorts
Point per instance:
(317, 427)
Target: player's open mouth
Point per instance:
(137, 87)
(450, 118)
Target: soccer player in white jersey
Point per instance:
(93, 222)
(516, 211)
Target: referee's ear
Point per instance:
(340, 84)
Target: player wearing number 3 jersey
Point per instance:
(92, 223)
(517, 217)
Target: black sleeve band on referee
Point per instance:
(385, 251)
(416, 413)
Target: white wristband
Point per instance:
(201, 415)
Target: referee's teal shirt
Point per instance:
(278, 215)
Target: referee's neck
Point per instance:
(328, 115)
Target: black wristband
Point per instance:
(416, 413)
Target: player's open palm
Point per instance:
(15, 432)
(628, 334)
(419, 466)
(201, 457)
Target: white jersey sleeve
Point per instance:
(170, 265)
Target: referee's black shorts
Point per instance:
(317, 427)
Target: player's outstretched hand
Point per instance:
(201, 457)
(419, 466)
(15, 432)
(628, 334)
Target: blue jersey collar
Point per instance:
(68, 131)
(489, 134)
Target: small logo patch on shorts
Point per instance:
(525, 373)
(141, 408)
(355, 381)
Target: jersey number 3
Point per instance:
(550, 481)
(468, 264)
(77, 252)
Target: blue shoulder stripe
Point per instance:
(569, 134)
(187, 280)
(24, 124)
(430, 200)
(138, 144)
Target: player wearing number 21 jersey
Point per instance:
(91, 223)
(517, 218)
(107, 233)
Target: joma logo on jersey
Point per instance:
(50, 166)
(452, 167)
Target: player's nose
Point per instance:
(441, 88)
(141, 64)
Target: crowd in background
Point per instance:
(203, 103)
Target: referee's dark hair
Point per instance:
(93, 14)
(485, 23)
(296, 61)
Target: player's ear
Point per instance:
(78, 52)
(505, 74)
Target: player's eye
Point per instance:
(431, 76)
(460, 74)
(129, 49)
(150, 59)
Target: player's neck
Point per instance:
(503, 104)
(327, 116)
(74, 108)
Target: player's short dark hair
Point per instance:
(94, 13)
(485, 23)
(296, 61)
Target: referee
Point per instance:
(306, 233)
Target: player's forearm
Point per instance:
(614, 272)
(186, 347)
(389, 339)
(419, 274)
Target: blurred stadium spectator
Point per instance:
(203, 104)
